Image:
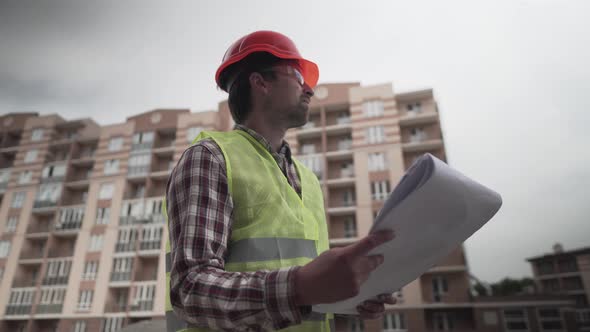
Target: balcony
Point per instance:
(134, 220)
(120, 276)
(49, 308)
(418, 118)
(125, 247)
(68, 227)
(346, 208)
(310, 130)
(339, 128)
(38, 230)
(136, 147)
(18, 309)
(32, 255)
(52, 179)
(143, 305)
(56, 280)
(44, 205)
(138, 171)
(150, 247)
(422, 145)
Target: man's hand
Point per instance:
(338, 273)
(374, 308)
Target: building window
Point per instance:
(11, 224)
(414, 108)
(57, 272)
(54, 171)
(373, 108)
(314, 163)
(307, 148)
(376, 161)
(394, 322)
(550, 319)
(95, 243)
(18, 200)
(375, 134)
(103, 215)
(85, 299)
(516, 320)
(442, 321)
(25, 177)
(4, 248)
(192, 133)
(349, 227)
(417, 135)
(348, 197)
(379, 190)
(37, 134)
(111, 166)
(355, 325)
(90, 270)
(142, 141)
(31, 156)
(490, 318)
(80, 326)
(106, 191)
(439, 287)
(115, 144)
(111, 324)
(139, 164)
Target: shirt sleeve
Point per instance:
(200, 209)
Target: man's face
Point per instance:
(289, 97)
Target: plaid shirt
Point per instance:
(200, 216)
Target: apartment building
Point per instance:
(82, 232)
(566, 273)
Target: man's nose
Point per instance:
(308, 90)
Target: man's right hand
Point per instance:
(337, 274)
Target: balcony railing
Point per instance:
(344, 145)
(144, 305)
(134, 220)
(53, 179)
(150, 245)
(32, 254)
(57, 280)
(18, 309)
(124, 247)
(49, 308)
(38, 228)
(138, 171)
(121, 276)
(141, 146)
(68, 226)
(44, 204)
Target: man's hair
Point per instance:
(238, 75)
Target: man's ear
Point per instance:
(258, 83)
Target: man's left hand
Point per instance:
(374, 308)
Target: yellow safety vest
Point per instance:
(273, 227)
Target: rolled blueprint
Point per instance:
(432, 210)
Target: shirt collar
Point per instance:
(284, 150)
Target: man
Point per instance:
(248, 237)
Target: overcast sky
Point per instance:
(512, 79)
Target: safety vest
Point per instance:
(272, 226)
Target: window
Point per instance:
(152, 234)
(111, 324)
(54, 171)
(18, 199)
(314, 163)
(111, 166)
(103, 215)
(355, 325)
(4, 248)
(31, 156)
(90, 270)
(439, 287)
(379, 190)
(307, 148)
(115, 144)
(442, 321)
(25, 177)
(550, 319)
(516, 320)
(37, 134)
(346, 170)
(4, 176)
(349, 227)
(490, 318)
(348, 198)
(49, 192)
(376, 161)
(375, 134)
(192, 133)
(413, 108)
(106, 191)
(143, 297)
(52, 296)
(394, 322)
(11, 224)
(57, 272)
(21, 297)
(85, 299)
(95, 243)
(417, 134)
(80, 326)
(373, 108)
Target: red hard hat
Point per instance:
(274, 43)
